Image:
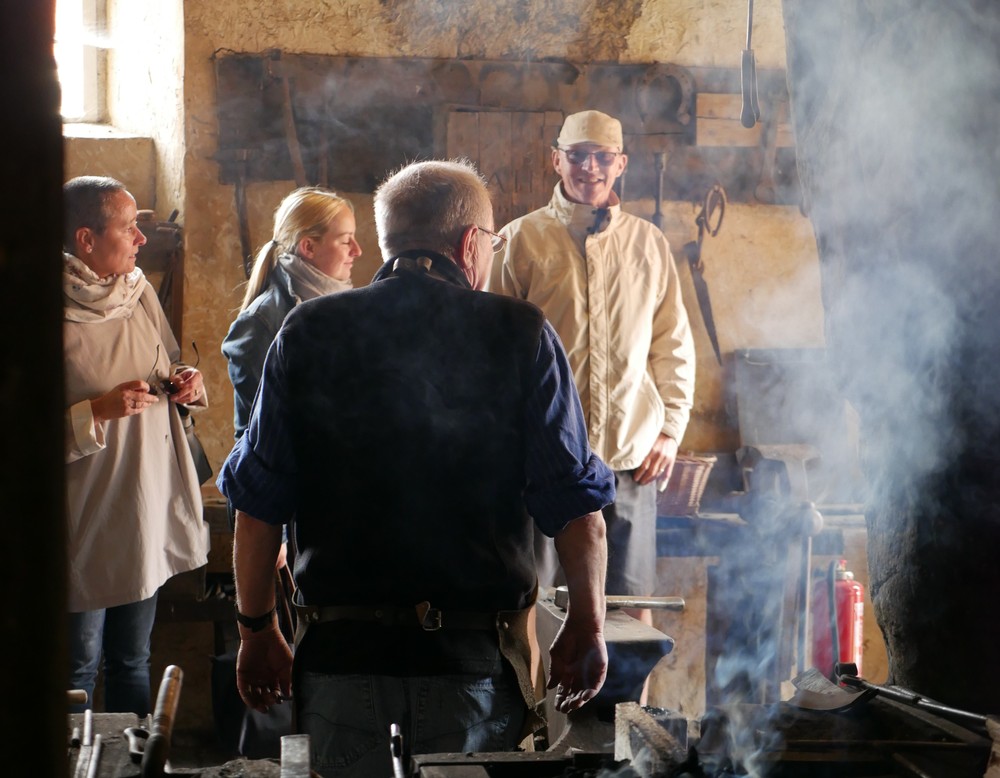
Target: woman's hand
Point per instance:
(127, 399)
(190, 386)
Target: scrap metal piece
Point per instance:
(396, 749)
(95, 759)
(814, 691)
(86, 745)
(295, 756)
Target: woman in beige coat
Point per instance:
(134, 512)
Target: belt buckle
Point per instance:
(428, 617)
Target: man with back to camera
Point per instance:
(607, 282)
(410, 431)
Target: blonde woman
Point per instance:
(310, 254)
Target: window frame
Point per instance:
(91, 54)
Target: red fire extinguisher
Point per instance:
(837, 631)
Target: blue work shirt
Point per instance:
(564, 479)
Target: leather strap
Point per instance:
(421, 615)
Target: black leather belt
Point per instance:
(420, 615)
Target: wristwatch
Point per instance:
(256, 623)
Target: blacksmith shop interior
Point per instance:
(828, 178)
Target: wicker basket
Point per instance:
(686, 485)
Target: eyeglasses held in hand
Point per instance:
(165, 385)
(578, 156)
(497, 241)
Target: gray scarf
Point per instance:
(307, 281)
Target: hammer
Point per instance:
(616, 601)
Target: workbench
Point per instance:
(115, 761)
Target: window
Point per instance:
(79, 57)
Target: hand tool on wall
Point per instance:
(241, 157)
(620, 601)
(748, 72)
(276, 69)
(713, 207)
(660, 160)
(154, 755)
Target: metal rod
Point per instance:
(95, 758)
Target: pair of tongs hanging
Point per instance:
(748, 70)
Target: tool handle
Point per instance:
(76, 697)
(622, 601)
(154, 755)
(654, 603)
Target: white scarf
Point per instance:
(90, 298)
(307, 281)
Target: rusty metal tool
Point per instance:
(154, 755)
(909, 697)
(620, 601)
(137, 738)
(713, 208)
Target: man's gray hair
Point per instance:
(428, 205)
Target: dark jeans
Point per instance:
(122, 635)
(348, 717)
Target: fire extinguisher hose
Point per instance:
(831, 590)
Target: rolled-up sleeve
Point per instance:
(259, 475)
(84, 436)
(565, 480)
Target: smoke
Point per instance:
(891, 123)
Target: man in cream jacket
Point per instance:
(607, 282)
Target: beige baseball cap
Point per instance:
(591, 127)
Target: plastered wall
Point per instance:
(761, 268)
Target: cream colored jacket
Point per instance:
(615, 300)
(134, 510)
